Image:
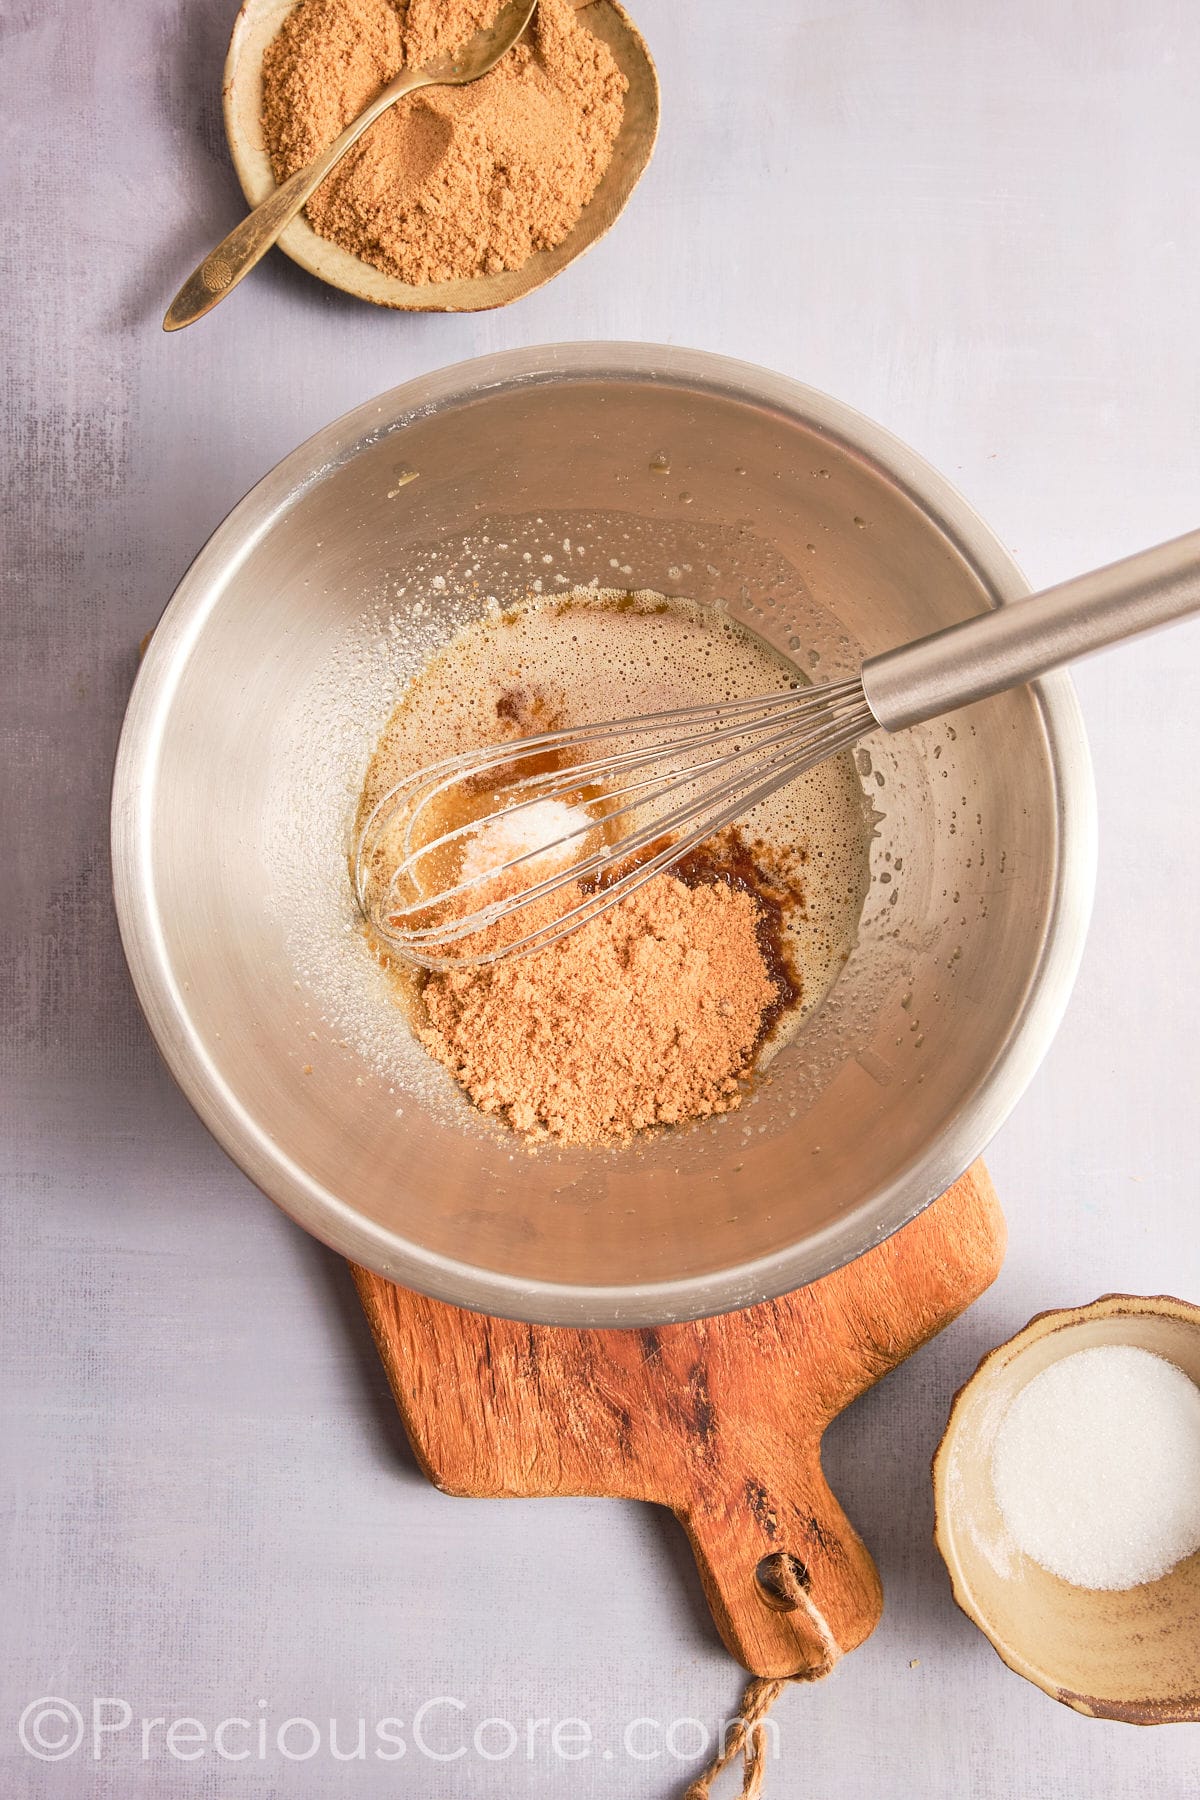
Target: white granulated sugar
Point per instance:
(1096, 1467)
(530, 831)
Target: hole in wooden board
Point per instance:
(781, 1578)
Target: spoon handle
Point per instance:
(250, 240)
(1009, 645)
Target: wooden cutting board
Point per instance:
(720, 1419)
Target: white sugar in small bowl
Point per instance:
(1131, 1654)
(1096, 1467)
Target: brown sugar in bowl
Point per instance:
(1131, 1655)
(258, 23)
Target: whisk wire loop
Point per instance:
(771, 739)
(681, 775)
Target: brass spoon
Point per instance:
(248, 242)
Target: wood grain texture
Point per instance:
(719, 1419)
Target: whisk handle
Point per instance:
(1011, 644)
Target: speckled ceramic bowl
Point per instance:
(1133, 1656)
(257, 24)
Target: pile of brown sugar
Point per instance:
(650, 1014)
(454, 182)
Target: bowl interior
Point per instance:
(1132, 1655)
(263, 693)
(257, 24)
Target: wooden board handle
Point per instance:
(790, 1583)
(719, 1419)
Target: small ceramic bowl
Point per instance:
(1133, 1656)
(257, 24)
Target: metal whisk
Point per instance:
(591, 812)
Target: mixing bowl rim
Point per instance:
(979, 1114)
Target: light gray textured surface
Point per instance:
(977, 223)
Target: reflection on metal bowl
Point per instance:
(688, 474)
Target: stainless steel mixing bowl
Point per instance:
(277, 661)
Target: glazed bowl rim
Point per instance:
(1064, 1320)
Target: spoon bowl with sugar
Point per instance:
(248, 242)
(258, 24)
